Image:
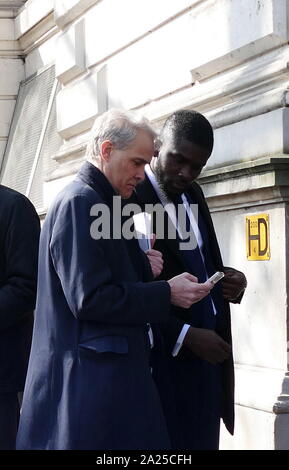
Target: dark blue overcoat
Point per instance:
(89, 384)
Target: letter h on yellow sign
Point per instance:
(258, 237)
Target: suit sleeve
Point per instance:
(82, 266)
(240, 296)
(171, 331)
(21, 239)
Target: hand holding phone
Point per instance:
(216, 277)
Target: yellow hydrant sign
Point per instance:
(258, 237)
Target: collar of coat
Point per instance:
(92, 176)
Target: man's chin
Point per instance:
(175, 190)
(127, 194)
(179, 188)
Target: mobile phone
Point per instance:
(216, 277)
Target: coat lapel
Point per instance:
(198, 196)
(145, 194)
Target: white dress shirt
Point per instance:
(170, 209)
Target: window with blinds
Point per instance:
(33, 138)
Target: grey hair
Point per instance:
(119, 127)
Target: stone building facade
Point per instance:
(62, 62)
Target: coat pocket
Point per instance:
(106, 344)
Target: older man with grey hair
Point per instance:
(89, 384)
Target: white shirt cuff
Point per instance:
(180, 340)
(151, 336)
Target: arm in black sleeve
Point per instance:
(20, 240)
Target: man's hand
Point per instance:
(207, 345)
(233, 284)
(186, 291)
(156, 261)
(155, 258)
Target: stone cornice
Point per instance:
(67, 169)
(10, 49)
(12, 4)
(67, 12)
(10, 9)
(37, 35)
(276, 163)
(70, 156)
(73, 153)
(253, 183)
(257, 86)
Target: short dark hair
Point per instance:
(189, 125)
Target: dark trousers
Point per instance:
(197, 394)
(9, 418)
(190, 395)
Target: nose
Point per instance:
(140, 174)
(188, 173)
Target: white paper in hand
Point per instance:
(142, 224)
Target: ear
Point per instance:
(106, 149)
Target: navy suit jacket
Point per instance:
(89, 384)
(175, 264)
(19, 238)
